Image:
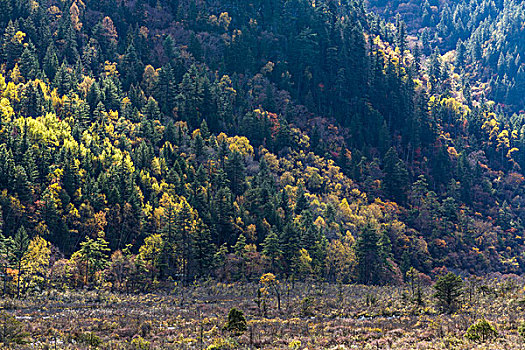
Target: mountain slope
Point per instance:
(232, 138)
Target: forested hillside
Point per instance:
(484, 37)
(157, 140)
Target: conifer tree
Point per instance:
(448, 290)
(50, 63)
(5, 12)
(368, 256)
(191, 97)
(301, 203)
(63, 79)
(29, 66)
(272, 249)
(396, 178)
(203, 249)
(235, 172)
(20, 246)
(93, 253)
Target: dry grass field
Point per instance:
(312, 316)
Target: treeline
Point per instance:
(184, 140)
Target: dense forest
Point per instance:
(150, 141)
(484, 38)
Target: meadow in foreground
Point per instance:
(311, 316)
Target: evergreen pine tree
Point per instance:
(368, 256)
(396, 179)
(50, 63)
(29, 66)
(20, 246)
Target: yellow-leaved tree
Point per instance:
(150, 254)
(35, 263)
(270, 285)
(340, 260)
(177, 224)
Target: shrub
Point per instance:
(88, 338)
(140, 343)
(521, 330)
(294, 345)
(481, 331)
(306, 307)
(221, 344)
(236, 323)
(370, 299)
(145, 328)
(11, 330)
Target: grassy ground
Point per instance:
(312, 316)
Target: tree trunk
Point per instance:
(18, 279)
